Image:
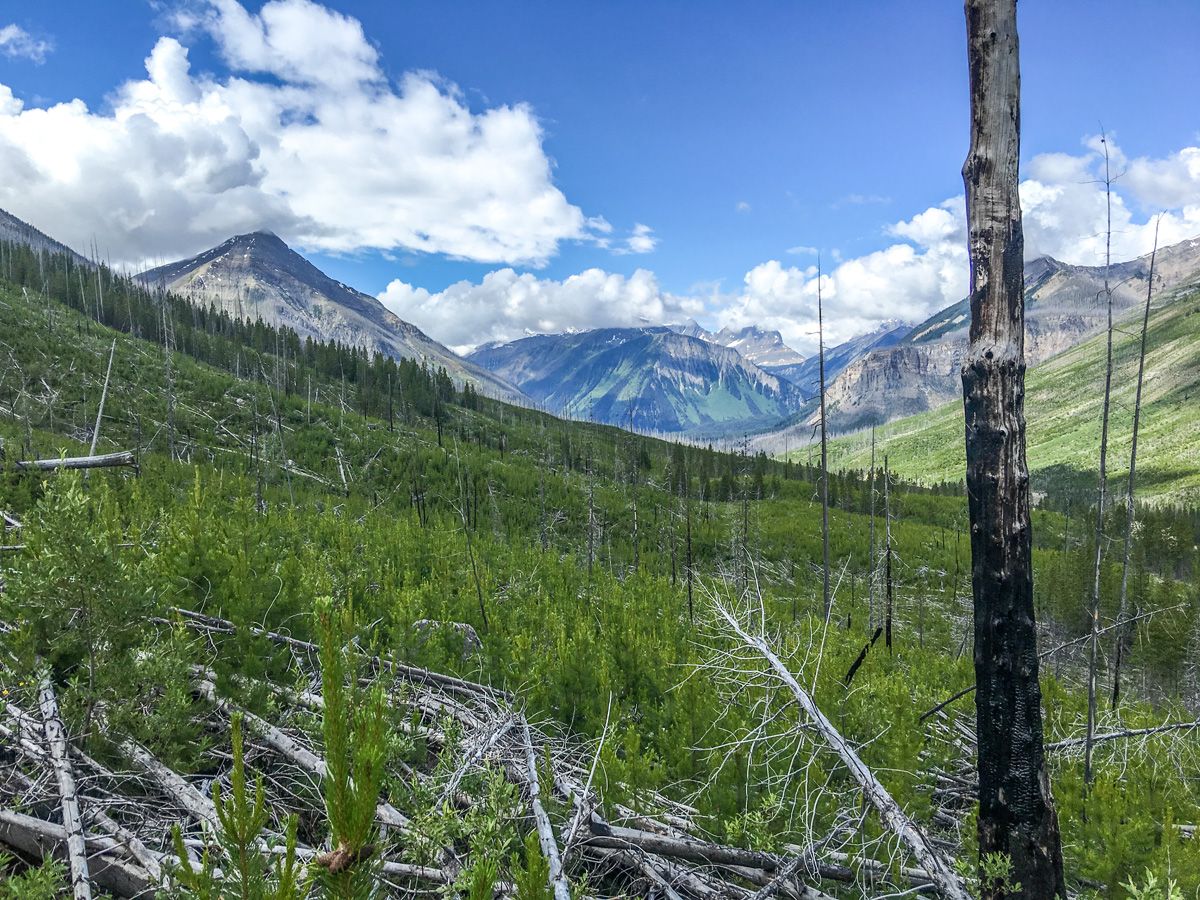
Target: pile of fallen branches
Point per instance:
(112, 820)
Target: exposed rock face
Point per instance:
(1064, 305)
(654, 379)
(760, 346)
(258, 276)
(806, 375)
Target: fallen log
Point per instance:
(103, 461)
(282, 744)
(38, 838)
(194, 803)
(81, 885)
(897, 821)
(558, 880)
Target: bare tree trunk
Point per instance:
(887, 556)
(1016, 809)
(103, 397)
(688, 558)
(826, 596)
(1123, 632)
(1102, 488)
(871, 565)
(543, 537)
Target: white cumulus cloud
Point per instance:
(640, 240)
(17, 43)
(306, 137)
(507, 305)
(922, 270)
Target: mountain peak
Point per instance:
(257, 275)
(263, 239)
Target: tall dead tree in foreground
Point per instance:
(1016, 810)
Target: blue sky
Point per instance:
(733, 132)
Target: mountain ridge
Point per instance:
(920, 371)
(258, 275)
(761, 346)
(20, 232)
(653, 379)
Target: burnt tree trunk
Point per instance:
(826, 596)
(1124, 635)
(1016, 809)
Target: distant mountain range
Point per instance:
(258, 276)
(1064, 306)
(651, 379)
(807, 375)
(764, 348)
(677, 379)
(1063, 407)
(919, 370)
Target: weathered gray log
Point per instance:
(56, 740)
(103, 461)
(39, 838)
(557, 878)
(941, 872)
(1016, 810)
(283, 744)
(194, 803)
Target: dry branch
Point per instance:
(940, 871)
(1127, 733)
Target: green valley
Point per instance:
(1063, 409)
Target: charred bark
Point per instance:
(1016, 810)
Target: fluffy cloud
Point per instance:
(1063, 206)
(507, 305)
(17, 43)
(306, 137)
(640, 240)
(922, 270)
